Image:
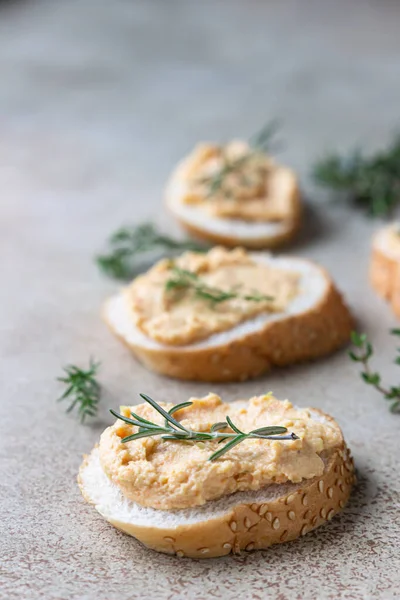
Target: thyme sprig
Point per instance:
(372, 182)
(82, 389)
(129, 243)
(173, 430)
(364, 352)
(183, 280)
(260, 143)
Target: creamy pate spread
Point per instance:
(392, 238)
(181, 315)
(234, 181)
(166, 474)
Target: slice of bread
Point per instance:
(385, 266)
(241, 521)
(236, 232)
(315, 323)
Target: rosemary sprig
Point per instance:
(82, 388)
(128, 243)
(365, 352)
(183, 280)
(259, 143)
(372, 182)
(173, 430)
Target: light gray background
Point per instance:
(98, 100)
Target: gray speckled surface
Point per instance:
(98, 100)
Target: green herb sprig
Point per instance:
(371, 182)
(82, 389)
(260, 143)
(174, 430)
(364, 353)
(183, 280)
(130, 243)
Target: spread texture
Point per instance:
(237, 182)
(167, 474)
(183, 301)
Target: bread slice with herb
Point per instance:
(247, 227)
(314, 323)
(385, 265)
(246, 520)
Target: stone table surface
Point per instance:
(98, 100)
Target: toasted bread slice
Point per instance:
(385, 265)
(236, 232)
(240, 521)
(315, 323)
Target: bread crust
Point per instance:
(254, 526)
(382, 273)
(269, 242)
(297, 338)
(384, 276)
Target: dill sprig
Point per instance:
(183, 280)
(82, 389)
(129, 243)
(260, 143)
(371, 377)
(372, 182)
(173, 430)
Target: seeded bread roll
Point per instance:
(385, 265)
(315, 323)
(242, 521)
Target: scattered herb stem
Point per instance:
(371, 182)
(182, 280)
(260, 143)
(129, 243)
(173, 430)
(82, 389)
(371, 377)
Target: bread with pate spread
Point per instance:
(234, 195)
(229, 315)
(385, 265)
(166, 492)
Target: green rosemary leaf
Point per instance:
(272, 430)
(176, 437)
(176, 408)
(260, 143)
(219, 426)
(372, 182)
(128, 244)
(83, 388)
(169, 432)
(214, 295)
(395, 406)
(142, 434)
(262, 140)
(233, 426)
(163, 412)
(142, 420)
(258, 297)
(68, 391)
(179, 407)
(72, 405)
(228, 446)
(122, 417)
(370, 377)
(187, 280)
